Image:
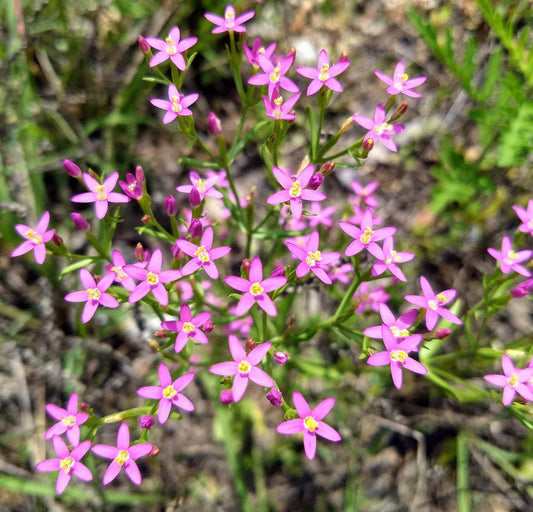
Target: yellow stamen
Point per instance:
(94, 293)
(256, 289)
(100, 194)
(275, 76)
(324, 75)
(366, 237)
(512, 380)
(313, 257)
(188, 327)
(66, 464)
(176, 106)
(398, 355)
(122, 457)
(34, 236)
(171, 46)
(152, 278)
(202, 254)
(310, 423)
(68, 421)
(244, 367)
(295, 190)
(169, 392)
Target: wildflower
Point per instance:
(522, 289)
(123, 456)
(310, 423)
(311, 259)
(79, 222)
(188, 327)
(320, 216)
(274, 74)
(203, 254)
(204, 187)
(67, 463)
(526, 216)
(35, 239)
(281, 357)
(213, 124)
(177, 104)
(390, 260)
(398, 327)
(324, 73)
(341, 273)
(379, 128)
(434, 302)
(364, 194)
(100, 194)
(255, 289)
(396, 354)
(168, 393)
(400, 83)
(226, 396)
(229, 23)
(71, 168)
(509, 259)
(277, 108)
(513, 381)
(244, 367)
(146, 421)
(69, 420)
(94, 294)
(258, 49)
(117, 268)
(274, 396)
(294, 189)
(152, 279)
(371, 298)
(133, 186)
(241, 325)
(170, 205)
(365, 236)
(171, 48)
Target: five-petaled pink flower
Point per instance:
(258, 49)
(526, 216)
(274, 74)
(398, 327)
(311, 259)
(205, 187)
(177, 104)
(117, 268)
(513, 381)
(244, 367)
(94, 294)
(364, 194)
(67, 463)
(434, 302)
(390, 260)
(171, 48)
(203, 254)
(365, 236)
(278, 108)
(100, 194)
(509, 259)
(396, 354)
(310, 423)
(255, 289)
(168, 393)
(379, 128)
(69, 420)
(152, 279)
(133, 186)
(294, 189)
(229, 22)
(400, 83)
(35, 239)
(188, 327)
(324, 73)
(123, 456)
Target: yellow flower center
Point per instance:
(442, 298)
(398, 355)
(244, 367)
(230, 19)
(256, 289)
(120, 273)
(295, 190)
(94, 293)
(310, 423)
(176, 105)
(433, 304)
(34, 236)
(122, 457)
(398, 333)
(274, 76)
(366, 237)
(152, 278)
(392, 257)
(313, 257)
(404, 77)
(68, 421)
(200, 185)
(324, 75)
(385, 127)
(66, 464)
(169, 391)
(278, 101)
(202, 254)
(512, 380)
(100, 194)
(171, 46)
(188, 326)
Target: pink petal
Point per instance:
(111, 473)
(239, 386)
(301, 405)
(291, 426)
(260, 377)
(237, 350)
(327, 432)
(309, 444)
(323, 408)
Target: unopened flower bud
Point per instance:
(139, 174)
(195, 198)
(316, 181)
(343, 57)
(281, 357)
(399, 112)
(79, 222)
(139, 252)
(171, 206)
(208, 326)
(368, 144)
(154, 452)
(195, 228)
(440, 334)
(245, 267)
(522, 289)
(143, 44)
(71, 168)
(57, 240)
(146, 421)
(213, 124)
(226, 396)
(278, 270)
(145, 219)
(161, 334)
(84, 407)
(347, 124)
(274, 397)
(327, 168)
(177, 253)
(249, 345)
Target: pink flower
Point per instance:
(366, 297)
(171, 48)
(152, 279)
(434, 302)
(123, 456)
(341, 273)
(35, 239)
(398, 327)
(241, 325)
(69, 420)
(168, 393)
(274, 74)
(67, 463)
(188, 327)
(365, 236)
(390, 260)
(255, 289)
(256, 50)
(510, 260)
(513, 381)
(176, 106)
(117, 268)
(311, 259)
(310, 423)
(294, 189)
(324, 73)
(396, 355)
(364, 194)
(277, 108)
(133, 186)
(244, 367)
(522, 289)
(94, 294)
(379, 128)
(526, 216)
(204, 187)
(400, 82)
(229, 23)
(320, 216)
(100, 194)
(203, 254)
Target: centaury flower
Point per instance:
(400, 83)
(177, 104)
(513, 381)
(188, 327)
(171, 48)
(324, 73)
(229, 23)
(509, 259)
(69, 420)
(36, 239)
(526, 216)
(378, 128)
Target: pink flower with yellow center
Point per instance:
(400, 83)
(379, 128)
(526, 216)
(205, 187)
(171, 48)
(509, 259)
(274, 74)
(244, 367)
(279, 108)
(391, 260)
(36, 238)
(324, 73)
(513, 381)
(188, 327)
(230, 22)
(177, 104)
(69, 420)
(398, 327)
(258, 49)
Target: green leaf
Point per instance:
(77, 265)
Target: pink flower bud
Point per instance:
(208, 326)
(226, 396)
(79, 222)
(146, 421)
(327, 168)
(194, 198)
(154, 452)
(177, 253)
(171, 206)
(440, 334)
(368, 145)
(213, 124)
(143, 44)
(249, 345)
(245, 267)
(274, 397)
(57, 240)
(161, 334)
(195, 228)
(316, 181)
(139, 174)
(522, 289)
(278, 270)
(84, 407)
(343, 57)
(139, 252)
(399, 112)
(281, 357)
(71, 168)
